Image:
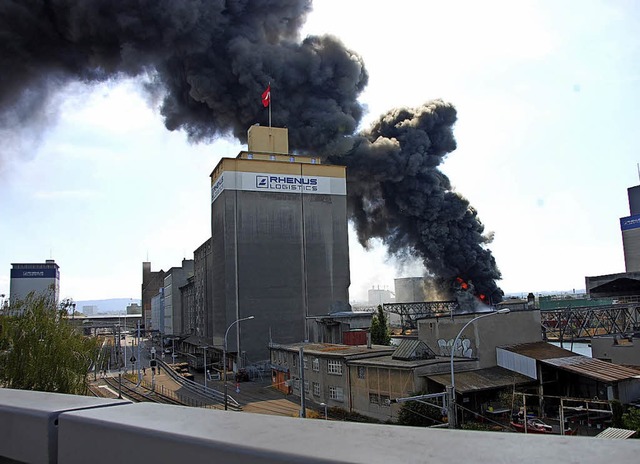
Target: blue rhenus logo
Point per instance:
(262, 182)
(287, 183)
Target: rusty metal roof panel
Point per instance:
(481, 379)
(594, 368)
(613, 433)
(539, 350)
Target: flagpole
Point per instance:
(269, 104)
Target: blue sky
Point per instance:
(547, 97)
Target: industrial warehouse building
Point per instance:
(279, 246)
(625, 284)
(43, 279)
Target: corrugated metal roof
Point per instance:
(481, 379)
(539, 350)
(413, 349)
(613, 433)
(594, 368)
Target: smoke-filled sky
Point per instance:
(524, 109)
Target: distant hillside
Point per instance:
(113, 305)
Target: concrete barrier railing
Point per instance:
(38, 427)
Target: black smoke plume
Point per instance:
(397, 194)
(210, 60)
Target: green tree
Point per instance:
(40, 350)
(380, 334)
(631, 420)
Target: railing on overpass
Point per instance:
(38, 427)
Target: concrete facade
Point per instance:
(152, 282)
(376, 381)
(631, 245)
(617, 349)
(326, 371)
(157, 311)
(188, 307)
(480, 339)
(39, 278)
(409, 289)
(279, 249)
(360, 379)
(377, 296)
(175, 278)
(203, 288)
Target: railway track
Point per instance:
(140, 393)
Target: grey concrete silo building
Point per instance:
(279, 246)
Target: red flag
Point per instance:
(266, 96)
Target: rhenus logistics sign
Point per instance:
(304, 184)
(630, 222)
(283, 183)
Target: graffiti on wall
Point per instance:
(462, 349)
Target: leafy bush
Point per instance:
(631, 420)
(40, 350)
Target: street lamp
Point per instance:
(453, 419)
(324, 405)
(224, 356)
(204, 348)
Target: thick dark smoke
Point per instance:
(211, 59)
(397, 194)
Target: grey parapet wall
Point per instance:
(29, 422)
(111, 431)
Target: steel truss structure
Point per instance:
(563, 324)
(410, 312)
(589, 321)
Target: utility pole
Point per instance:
(139, 358)
(303, 408)
(205, 367)
(452, 418)
(133, 362)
